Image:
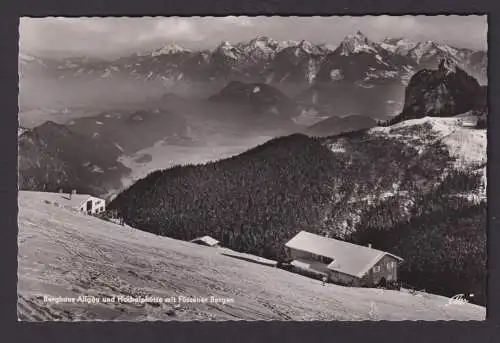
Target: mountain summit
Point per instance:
(447, 65)
(443, 92)
(169, 49)
(354, 44)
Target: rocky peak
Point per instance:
(169, 49)
(356, 43)
(443, 92)
(358, 37)
(287, 44)
(447, 66)
(400, 46)
(264, 39)
(392, 40)
(263, 47)
(306, 46)
(424, 49)
(226, 49)
(224, 46)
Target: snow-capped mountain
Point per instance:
(355, 44)
(428, 54)
(296, 63)
(399, 46)
(169, 49)
(320, 76)
(265, 59)
(359, 60)
(260, 48)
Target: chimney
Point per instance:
(60, 190)
(73, 191)
(369, 245)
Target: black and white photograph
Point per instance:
(243, 168)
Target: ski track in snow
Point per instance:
(62, 253)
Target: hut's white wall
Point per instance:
(96, 205)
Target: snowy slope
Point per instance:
(431, 141)
(65, 254)
(465, 143)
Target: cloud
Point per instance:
(117, 36)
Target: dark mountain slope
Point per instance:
(52, 157)
(260, 97)
(255, 104)
(133, 130)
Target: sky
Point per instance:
(113, 37)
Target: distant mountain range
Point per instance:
(328, 79)
(356, 59)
